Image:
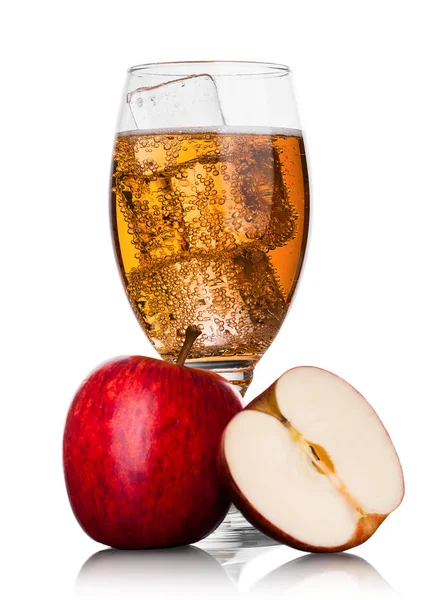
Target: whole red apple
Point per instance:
(140, 446)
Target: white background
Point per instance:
(358, 310)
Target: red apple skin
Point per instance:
(139, 453)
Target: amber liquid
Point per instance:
(210, 230)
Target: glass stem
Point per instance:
(237, 372)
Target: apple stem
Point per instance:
(192, 333)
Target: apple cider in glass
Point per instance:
(210, 230)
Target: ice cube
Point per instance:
(210, 193)
(167, 153)
(235, 198)
(235, 297)
(187, 102)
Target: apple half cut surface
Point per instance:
(310, 464)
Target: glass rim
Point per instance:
(214, 68)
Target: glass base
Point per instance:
(238, 372)
(236, 532)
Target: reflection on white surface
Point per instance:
(242, 556)
(316, 576)
(187, 572)
(191, 572)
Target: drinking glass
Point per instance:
(210, 208)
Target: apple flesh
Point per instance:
(310, 464)
(139, 452)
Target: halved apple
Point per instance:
(310, 464)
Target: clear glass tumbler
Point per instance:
(210, 208)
